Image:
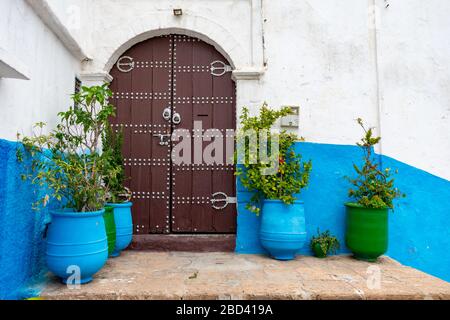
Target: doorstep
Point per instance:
(185, 243)
(219, 275)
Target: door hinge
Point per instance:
(223, 199)
(219, 68)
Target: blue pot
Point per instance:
(76, 242)
(283, 228)
(124, 226)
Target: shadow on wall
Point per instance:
(419, 226)
(21, 229)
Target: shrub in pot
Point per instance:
(373, 192)
(67, 167)
(323, 244)
(119, 195)
(271, 169)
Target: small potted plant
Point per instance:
(270, 168)
(323, 244)
(373, 192)
(66, 166)
(120, 224)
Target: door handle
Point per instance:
(167, 114)
(163, 141)
(176, 119)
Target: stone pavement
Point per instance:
(182, 275)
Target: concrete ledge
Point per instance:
(248, 74)
(189, 276)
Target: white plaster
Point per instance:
(233, 27)
(52, 70)
(325, 56)
(48, 16)
(11, 67)
(414, 67)
(95, 79)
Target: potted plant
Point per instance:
(275, 176)
(67, 167)
(323, 244)
(373, 192)
(120, 224)
(110, 227)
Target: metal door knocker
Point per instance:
(167, 114)
(176, 118)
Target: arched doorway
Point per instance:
(164, 84)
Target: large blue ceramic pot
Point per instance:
(77, 246)
(283, 228)
(124, 226)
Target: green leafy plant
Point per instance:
(114, 171)
(290, 173)
(66, 162)
(324, 243)
(373, 187)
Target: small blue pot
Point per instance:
(283, 228)
(76, 242)
(124, 226)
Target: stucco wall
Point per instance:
(384, 61)
(52, 71)
(21, 229)
(414, 73)
(337, 60)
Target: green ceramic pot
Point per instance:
(367, 231)
(318, 252)
(110, 226)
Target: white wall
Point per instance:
(52, 70)
(320, 56)
(77, 16)
(414, 68)
(383, 60)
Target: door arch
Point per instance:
(156, 83)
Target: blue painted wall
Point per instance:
(21, 229)
(419, 226)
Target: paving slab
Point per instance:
(218, 275)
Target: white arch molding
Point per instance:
(156, 33)
(120, 38)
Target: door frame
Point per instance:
(246, 74)
(191, 218)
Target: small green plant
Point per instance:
(288, 173)
(373, 187)
(66, 163)
(324, 243)
(114, 171)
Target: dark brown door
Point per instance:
(166, 84)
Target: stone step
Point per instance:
(219, 275)
(185, 243)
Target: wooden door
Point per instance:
(165, 84)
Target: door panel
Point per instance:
(175, 72)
